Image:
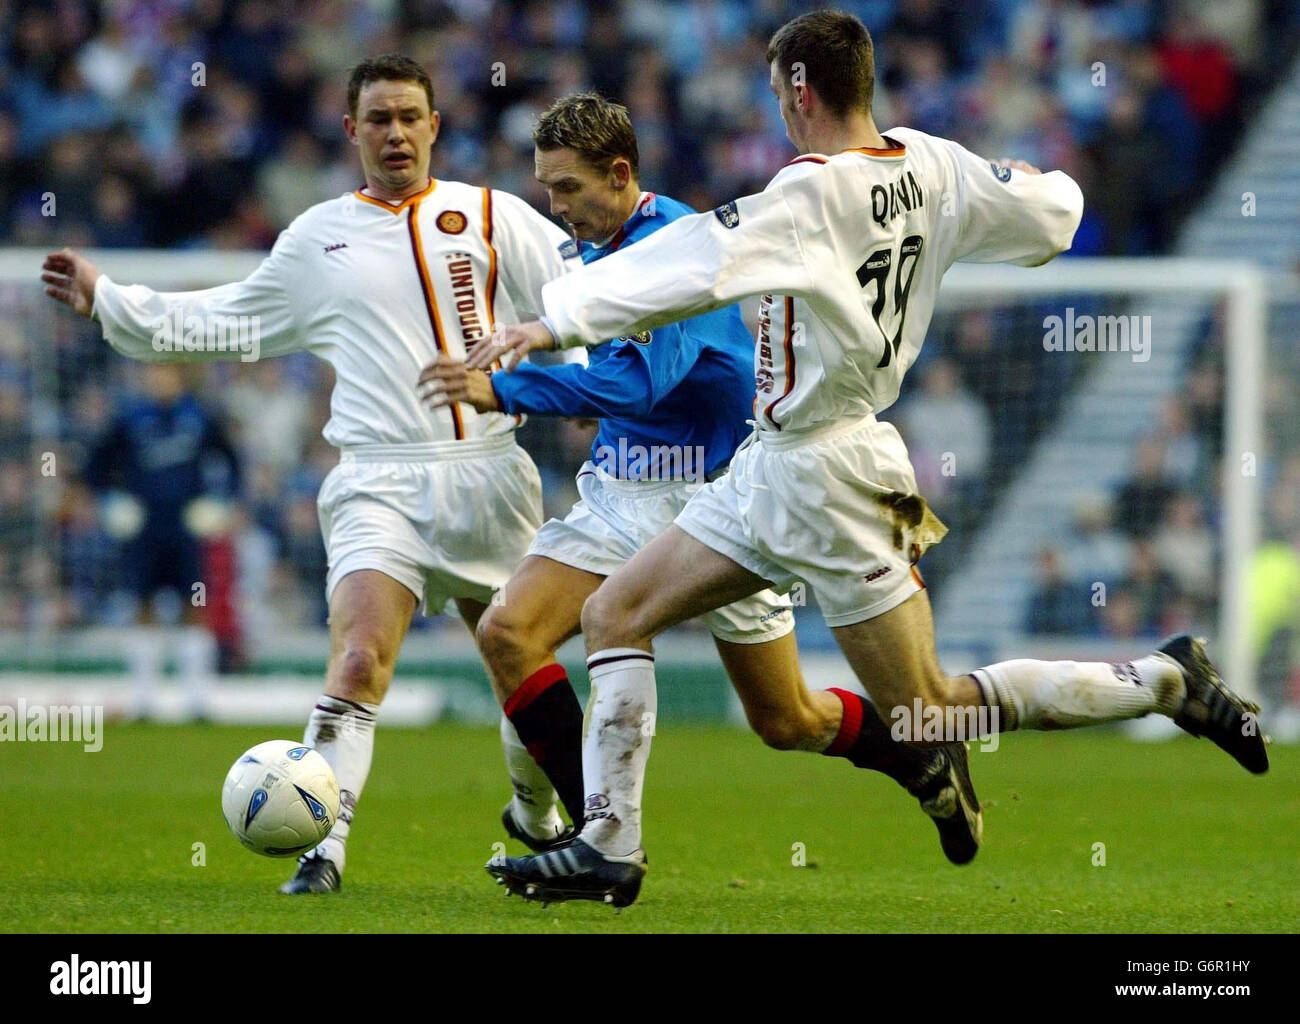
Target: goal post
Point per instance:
(1133, 287)
(1066, 448)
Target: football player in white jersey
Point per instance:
(850, 242)
(424, 505)
(683, 388)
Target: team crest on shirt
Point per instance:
(451, 221)
(641, 338)
(1003, 174)
(568, 249)
(728, 214)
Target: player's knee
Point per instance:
(361, 668)
(797, 726)
(499, 639)
(601, 620)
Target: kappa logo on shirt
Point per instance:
(728, 214)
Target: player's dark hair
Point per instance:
(388, 67)
(599, 130)
(832, 52)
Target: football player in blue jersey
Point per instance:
(673, 406)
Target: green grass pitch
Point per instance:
(104, 841)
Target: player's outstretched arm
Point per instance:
(1014, 215)
(694, 265)
(244, 320)
(70, 278)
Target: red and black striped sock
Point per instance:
(548, 718)
(866, 742)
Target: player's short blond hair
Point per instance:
(597, 129)
(832, 52)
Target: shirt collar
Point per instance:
(645, 208)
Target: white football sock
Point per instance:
(196, 656)
(533, 805)
(1066, 694)
(616, 746)
(344, 732)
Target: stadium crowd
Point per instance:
(212, 123)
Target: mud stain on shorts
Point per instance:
(913, 525)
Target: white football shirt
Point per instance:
(376, 290)
(847, 252)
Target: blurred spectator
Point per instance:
(1201, 69)
(1153, 589)
(1204, 396)
(1121, 615)
(1184, 547)
(269, 418)
(1097, 551)
(18, 531)
(1057, 605)
(15, 434)
(89, 567)
(214, 124)
(218, 93)
(947, 433)
(1142, 498)
(1185, 457)
(293, 181)
(1133, 205)
(115, 220)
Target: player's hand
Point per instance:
(511, 344)
(1018, 165)
(446, 381)
(70, 278)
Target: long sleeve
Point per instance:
(631, 379)
(1008, 216)
(159, 326)
(530, 248)
(694, 265)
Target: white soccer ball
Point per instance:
(280, 798)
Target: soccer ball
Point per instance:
(281, 798)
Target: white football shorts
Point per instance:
(617, 518)
(450, 519)
(831, 508)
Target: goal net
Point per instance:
(1092, 432)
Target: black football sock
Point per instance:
(548, 718)
(866, 742)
